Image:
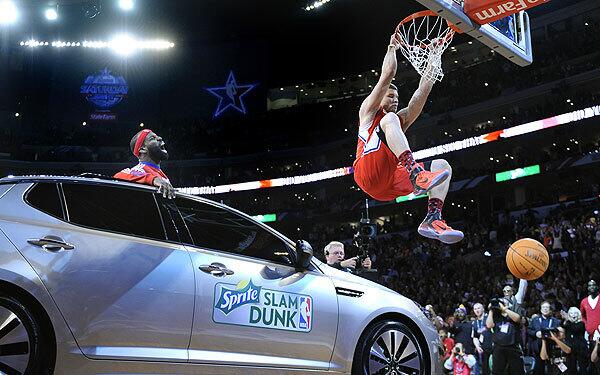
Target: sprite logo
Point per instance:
(244, 293)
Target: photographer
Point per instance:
(537, 325)
(507, 353)
(334, 254)
(555, 351)
(460, 362)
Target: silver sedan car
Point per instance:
(106, 277)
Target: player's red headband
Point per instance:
(140, 141)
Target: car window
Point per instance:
(45, 197)
(216, 228)
(114, 209)
(174, 225)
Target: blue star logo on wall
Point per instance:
(230, 95)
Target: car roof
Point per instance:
(89, 178)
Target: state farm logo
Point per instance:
(484, 12)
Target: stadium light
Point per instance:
(123, 45)
(51, 14)
(126, 4)
(32, 43)
(8, 12)
(317, 4)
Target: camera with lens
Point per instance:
(457, 353)
(363, 239)
(546, 332)
(495, 305)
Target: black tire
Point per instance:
(26, 348)
(407, 358)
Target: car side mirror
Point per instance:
(304, 254)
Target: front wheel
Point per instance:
(390, 348)
(25, 348)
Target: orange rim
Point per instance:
(425, 13)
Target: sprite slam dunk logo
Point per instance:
(250, 305)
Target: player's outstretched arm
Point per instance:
(520, 296)
(415, 106)
(371, 103)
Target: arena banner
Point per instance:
(514, 131)
(104, 91)
(265, 218)
(518, 173)
(486, 11)
(253, 185)
(247, 304)
(530, 127)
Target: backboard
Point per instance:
(509, 36)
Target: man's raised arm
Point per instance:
(415, 106)
(388, 70)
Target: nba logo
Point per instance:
(305, 313)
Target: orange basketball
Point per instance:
(527, 259)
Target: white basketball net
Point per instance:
(423, 40)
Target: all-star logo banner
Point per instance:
(104, 90)
(231, 95)
(250, 305)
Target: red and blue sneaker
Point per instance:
(423, 181)
(436, 228)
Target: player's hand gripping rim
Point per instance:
(394, 42)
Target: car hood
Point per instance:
(351, 281)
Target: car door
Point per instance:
(124, 289)
(253, 307)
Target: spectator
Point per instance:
(482, 339)
(537, 325)
(575, 333)
(462, 330)
(447, 342)
(515, 301)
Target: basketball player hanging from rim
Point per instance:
(384, 167)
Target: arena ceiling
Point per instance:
(343, 36)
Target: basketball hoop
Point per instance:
(424, 36)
